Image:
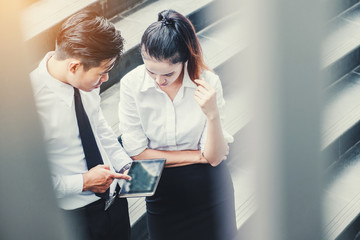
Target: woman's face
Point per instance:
(163, 72)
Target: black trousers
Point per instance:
(93, 223)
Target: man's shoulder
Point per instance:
(37, 83)
(36, 76)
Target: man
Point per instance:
(85, 156)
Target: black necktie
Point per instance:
(91, 150)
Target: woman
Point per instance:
(170, 107)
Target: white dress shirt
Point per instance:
(149, 119)
(55, 106)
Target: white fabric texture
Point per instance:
(55, 106)
(149, 119)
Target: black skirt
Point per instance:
(193, 202)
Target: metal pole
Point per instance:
(284, 73)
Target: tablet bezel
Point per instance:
(161, 162)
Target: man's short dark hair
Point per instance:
(90, 38)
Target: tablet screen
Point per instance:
(145, 176)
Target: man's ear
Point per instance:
(73, 66)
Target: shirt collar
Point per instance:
(187, 82)
(150, 83)
(64, 91)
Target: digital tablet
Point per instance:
(145, 176)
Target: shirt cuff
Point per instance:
(228, 138)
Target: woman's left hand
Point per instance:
(205, 96)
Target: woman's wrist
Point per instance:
(195, 156)
(213, 116)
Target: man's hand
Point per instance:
(99, 178)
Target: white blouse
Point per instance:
(149, 119)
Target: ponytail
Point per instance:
(173, 38)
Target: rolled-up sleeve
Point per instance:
(67, 185)
(116, 153)
(132, 134)
(216, 84)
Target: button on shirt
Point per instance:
(149, 119)
(55, 106)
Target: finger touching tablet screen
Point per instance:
(145, 176)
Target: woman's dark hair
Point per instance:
(90, 38)
(173, 38)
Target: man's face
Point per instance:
(94, 77)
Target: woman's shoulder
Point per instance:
(137, 72)
(211, 77)
(134, 77)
